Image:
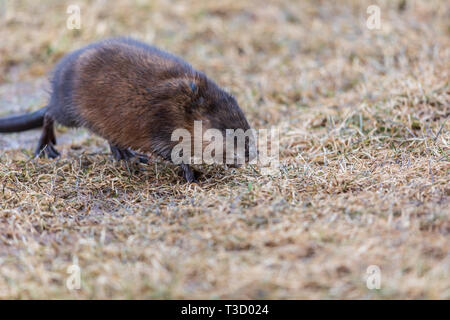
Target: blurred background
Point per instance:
(285, 52)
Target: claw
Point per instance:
(127, 154)
(188, 173)
(46, 146)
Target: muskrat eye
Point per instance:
(194, 87)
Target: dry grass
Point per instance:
(365, 161)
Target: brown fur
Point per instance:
(135, 95)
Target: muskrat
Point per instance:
(132, 94)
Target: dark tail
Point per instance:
(23, 122)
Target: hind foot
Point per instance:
(47, 142)
(127, 154)
(47, 150)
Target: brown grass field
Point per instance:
(364, 158)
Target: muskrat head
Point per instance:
(226, 133)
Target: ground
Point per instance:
(364, 158)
